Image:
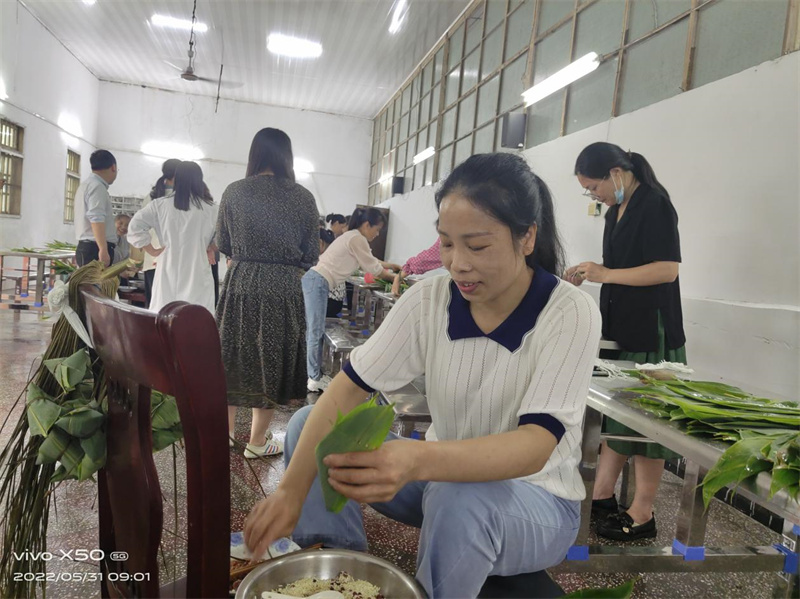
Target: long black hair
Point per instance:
(596, 161)
(167, 174)
(373, 216)
(271, 149)
(335, 218)
(505, 187)
(189, 187)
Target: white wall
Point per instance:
(130, 115)
(728, 154)
(41, 77)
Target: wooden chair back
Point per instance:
(177, 352)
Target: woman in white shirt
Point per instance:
(184, 223)
(507, 350)
(347, 253)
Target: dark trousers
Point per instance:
(334, 308)
(88, 251)
(148, 285)
(215, 274)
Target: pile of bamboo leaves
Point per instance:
(26, 473)
(765, 432)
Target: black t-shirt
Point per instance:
(647, 232)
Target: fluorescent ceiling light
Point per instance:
(424, 155)
(581, 67)
(173, 23)
(3, 94)
(168, 149)
(70, 124)
(89, 2)
(386, 177)
(301, 165)
(295, 47)
(398, 16)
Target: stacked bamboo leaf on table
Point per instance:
(765, 432)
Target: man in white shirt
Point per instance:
(97, 235)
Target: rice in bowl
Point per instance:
(348, 586)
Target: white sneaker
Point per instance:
(271, 447)
(320, 385)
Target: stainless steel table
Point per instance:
(383, 303)
(688, 553)
(410, 405)
(360, 317)
(30, 288)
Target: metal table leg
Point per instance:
(26, 267)
(39, 282)
(590, 448)
(367, 310)
(354, 308)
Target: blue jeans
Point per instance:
(315, 295)
(469, 530)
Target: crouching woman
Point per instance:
(507, 350)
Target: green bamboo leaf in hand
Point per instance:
(363, 429)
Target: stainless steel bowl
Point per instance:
(327, 563)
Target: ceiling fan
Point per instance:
(189, 74)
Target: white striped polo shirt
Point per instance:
(534, 368)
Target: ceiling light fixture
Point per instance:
(424, 155)
(3, 93)
(173, 23)
(168, 149)
(89, 2)
(70, 124)
(294, 47)
(386, 178)
(581, 67)
(398, 16)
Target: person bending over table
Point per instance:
(641, 305)
(423, 262)
(507, 350)
(348, 252)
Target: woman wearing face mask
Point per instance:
(347, 253)
(495, 487)
(641, 306)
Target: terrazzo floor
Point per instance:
(73, 519)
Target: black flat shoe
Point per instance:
(620, 527)
(602, 508)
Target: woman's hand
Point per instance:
(596, 273)
(374, 476)
(211, 252)
(271, 518)
(396, 285)
(155, 253)
(573, 276)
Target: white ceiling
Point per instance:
(362, 64)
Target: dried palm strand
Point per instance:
(25, 485)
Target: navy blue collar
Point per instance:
(513, 329)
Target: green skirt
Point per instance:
(612, 427)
